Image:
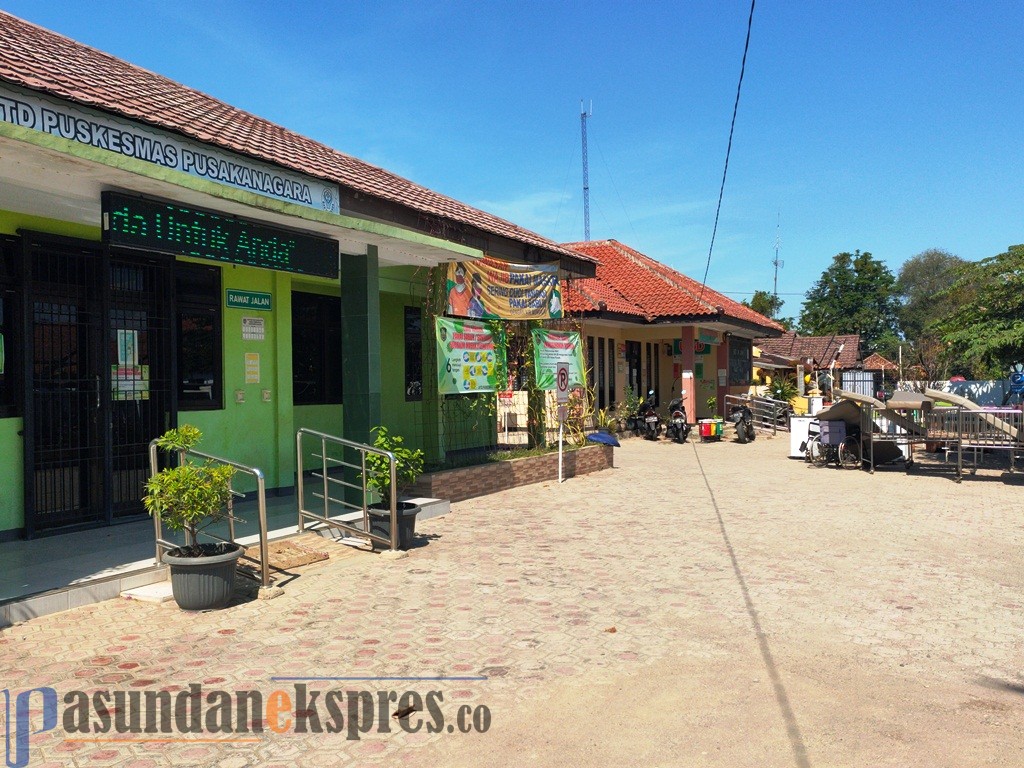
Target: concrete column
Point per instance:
(689, 359)
(360, 334)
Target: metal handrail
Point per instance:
(767, 412)
(261, 502)
(325, 460)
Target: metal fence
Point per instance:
(769, 415)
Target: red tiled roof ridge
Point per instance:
(704, 298)
(666, 273)
(877, 361)
(232, 128)
(579, 285)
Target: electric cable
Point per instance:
(728, 150)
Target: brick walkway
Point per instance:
(765, 613)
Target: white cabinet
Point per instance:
(799, 427)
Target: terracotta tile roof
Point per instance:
(631, 283)
(875, 362)
(39, 59)
(821, 348)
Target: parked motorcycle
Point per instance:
(647, 421)
(678, 428)
(743, 420)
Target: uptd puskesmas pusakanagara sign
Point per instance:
(491, 288)
(74, 122)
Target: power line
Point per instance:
(728, 149)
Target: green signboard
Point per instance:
(248, 300)
(553, 347)
(468, 360)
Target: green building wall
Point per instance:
(258, 432)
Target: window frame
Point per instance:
(413, 354)
(328, 318)
(208, 305)
(11, 400)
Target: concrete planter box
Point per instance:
(482, 479)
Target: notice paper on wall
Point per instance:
(127, 347)
(253, 329)
(252, 367)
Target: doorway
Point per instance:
(97, 380)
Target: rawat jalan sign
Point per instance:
(467, 358)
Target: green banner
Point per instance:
(468, 360)
(553, 347)
(492, 288)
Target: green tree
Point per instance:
(985, 331)
(923, 285)
(921, 280)
(767, 304)
(856, 294)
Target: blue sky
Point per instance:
(880, 126)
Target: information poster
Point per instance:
(492, 288)
(129, 382)
(553, 347)
(252, 367)
(127, 347)
(468, 360)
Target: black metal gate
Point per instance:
(97, 383)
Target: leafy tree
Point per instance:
(921, 280)
(985, 332)
(923, 284)
(764, 303)
(857, 294)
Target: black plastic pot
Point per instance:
(380, 522)
(206, 582)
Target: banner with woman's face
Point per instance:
(491, 288)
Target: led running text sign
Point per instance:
(154, 225)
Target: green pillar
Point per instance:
(360, 344)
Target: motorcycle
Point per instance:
(678, 428)
(646, 421)
(743, 420)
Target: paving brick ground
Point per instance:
(765, 613)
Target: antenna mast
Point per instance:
(777, 263)
(586, 171)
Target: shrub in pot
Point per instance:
(605, 420)
(408, 467)
(188, 498)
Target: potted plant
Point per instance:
(605, 420)
(628, 410)
(190, 497)
(408, 467)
